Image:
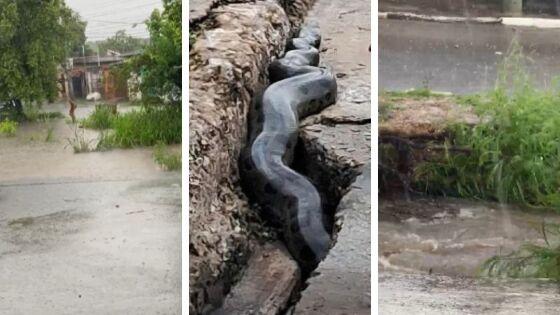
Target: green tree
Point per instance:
(160, 64)
(121, 42)
(35, 38)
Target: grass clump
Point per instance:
(514, 152)
(530, 261)
(146, 127)
(167, 158)
(79, 142)
(101, 118)
(8, 127)
(33, 113)
(415, 94)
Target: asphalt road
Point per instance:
(459, 58)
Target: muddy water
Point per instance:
(458, 236)
(29, 157)
(430, 252)
(95, 233)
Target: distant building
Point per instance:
(90, 74)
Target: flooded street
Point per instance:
(432, 250)
(88, 233)
(430, 253)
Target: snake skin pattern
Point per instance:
(299, 88)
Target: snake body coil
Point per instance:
(298, 89)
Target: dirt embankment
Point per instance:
(230, 54)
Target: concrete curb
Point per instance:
(507, 21)
(440, 19)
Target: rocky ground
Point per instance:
(90, 233)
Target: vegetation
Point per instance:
(101, 118)
(167, 158)
(121, 42)
(145, 127)
(160, 64)
(49, 137)
(8, 127)
(35, 38)
(33, 113)
(79, 142)
(528, 262)
(420, 93)
(514, 153)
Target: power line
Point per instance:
(114, 11)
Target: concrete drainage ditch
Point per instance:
(232, 254)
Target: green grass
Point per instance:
(416, 94)
(166, 158)
(8, 127)
(33, 113)
(514, 153)
(528, 262)
(101, 118)
(49, 136)
(145, 127)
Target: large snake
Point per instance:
(298, 88)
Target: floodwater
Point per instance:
(95, 233)
(437, 247)
(28, 157)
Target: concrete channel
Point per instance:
(234, 273)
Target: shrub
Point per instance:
(101, 118)
(8, 127)
(514, 153)
(146, 127)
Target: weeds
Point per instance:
(33, 113)
(79, 143)
(8, 127)
(416, 94)
(514, 153)
(146, 127)
(530, 261)
(101, 118)
(166, 158)
(49, 137)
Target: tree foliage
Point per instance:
(35, 38)
(120, 42)
(160, 63)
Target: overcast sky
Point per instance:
(105, 17)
